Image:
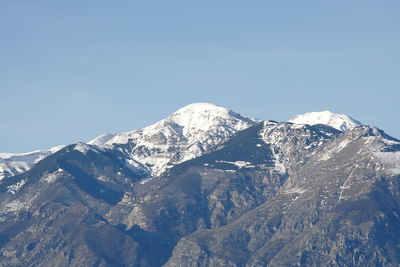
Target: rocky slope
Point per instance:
(339, 209)
(53, 215)
(151, 214)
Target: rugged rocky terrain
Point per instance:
(227, 191)
(339, 209)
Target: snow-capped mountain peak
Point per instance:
(201, 116)
(185, 134)
(340, 122)
(197, 113)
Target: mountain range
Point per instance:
(185, 134)
(208, 187)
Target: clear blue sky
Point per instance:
(72, 70)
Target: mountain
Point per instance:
(86, 190)
(338, 121)
(271, 194)
(13, 164)
(186, 134)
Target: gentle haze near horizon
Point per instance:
(72, 70)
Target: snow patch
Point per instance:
(12, 189)
(295, 190)
(104, 138)
(56, 148)
(239, 164)
(82, 147)
(144, 181)
(391, 161)
(340, 122)
(104, 178)
(51, 177)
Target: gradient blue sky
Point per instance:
(72, 70)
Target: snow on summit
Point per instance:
(190, 122)
(340, 122)
(194, 115)
(185, 134)
(202, 116)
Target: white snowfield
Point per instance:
(340, 122)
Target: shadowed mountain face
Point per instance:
(324, 197)
(53, 215)
(339, 209)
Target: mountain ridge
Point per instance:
(186, 133)
(182, 126)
